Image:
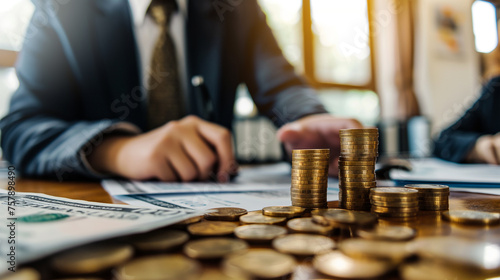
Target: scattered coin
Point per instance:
(306, 225)
(471, 217)
(303, 244)
(337, 264)
(390, 233)
(159, 240)
(376, 249)
(212, 228)
(213, 248)
(216, 274)
(460, 252)
(259, 263)
(431, 270)
(261, 219)
(22, 274)
(225, 214)
(159, 267)
(283, 211)
(348, 218)
(92, 258)
(190, 221)
(259, 232)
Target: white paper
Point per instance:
(431, 170)
(249, 200)
(72, 223)
(260, 178)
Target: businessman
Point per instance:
(475, 137)
(105, 90)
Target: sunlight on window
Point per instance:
(342, 41)
(485, 26)
(285, 19)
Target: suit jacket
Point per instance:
(79, 76)
(455, 142)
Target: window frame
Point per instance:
(309, 53)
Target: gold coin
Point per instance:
(213, 248)
(351, 218)
(159, 240)
(431, 270)
(22, 274)
(92, 258)
(358, 168)
(259, 232)
(309, 151)
(303, 244)
(471, 217)
(190, 221)
(356, 179)
(330, 211)
(259, 263)
(337, 264)
(412, 204)
(308, 191)
(428, 187)
(306, 225)
(375, 249)
(357, 158)
(323, 186)
(366, 163)
(312, 172)
(217, 274)
(347, 173)
(389, 233)
(301, 164)
(225, 214)
(212, 228)
(369, 184)
(382, 209)
(394, 199)
(261, 219)
(305, 182)
(394, 192)
(283, 211)
(159, 267)
(462, 252)
(310, 205)
(359, 130)
(398, 214)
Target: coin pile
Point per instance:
(394, 202)
(358, 153)
(310, 177)
(432, 197)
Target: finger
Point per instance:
(165, 172)
(185, 169)
(201, 154)
(220, 138)
(290, 134)
(487, 152)
(496, 149)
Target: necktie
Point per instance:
(165, 99)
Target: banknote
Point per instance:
(36, 225)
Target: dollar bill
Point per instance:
(36, 225)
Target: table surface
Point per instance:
(428, 223)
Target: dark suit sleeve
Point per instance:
(276, 89)
(43, 133)
(456, 141)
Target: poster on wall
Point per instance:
(449, 32)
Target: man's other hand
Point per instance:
(317, 132)
(185, 150)
(486, 150)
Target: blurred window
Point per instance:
(484, 22)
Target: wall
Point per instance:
(445, 86)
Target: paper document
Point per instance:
(249, 200)
(261, 178)
(432, 170)
(41, 224)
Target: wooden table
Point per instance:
(427, 224)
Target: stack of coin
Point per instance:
(432, 197)
(394, 202)
(310, 177)
(358, 153)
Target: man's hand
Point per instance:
(316, 132)
(186, 150)
(486, 150)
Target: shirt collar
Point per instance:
(140, 7)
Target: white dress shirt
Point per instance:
(147, 32)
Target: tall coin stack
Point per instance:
(358, 153)
(310, 177)
(432, 197)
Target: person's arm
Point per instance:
(457, 142)
(277, 90)
(43, 134)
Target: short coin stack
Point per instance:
(394, 202)
(358, 153)
(310, 177)
(432, 197)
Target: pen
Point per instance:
(208, 107)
